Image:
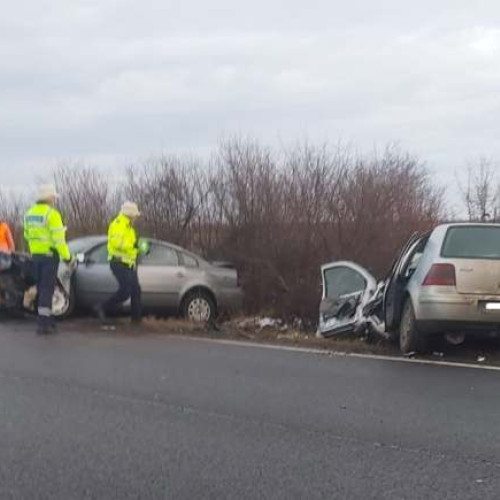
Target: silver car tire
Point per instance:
(410, 339)
(62, 305)
(198, 307)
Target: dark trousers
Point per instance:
(128, 288)
(45, 274)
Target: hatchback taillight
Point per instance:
(441, 275)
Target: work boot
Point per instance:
(107, 324)
(99, 312)
(52, 327)
(43, 327)
(136, 321)
(42, 330)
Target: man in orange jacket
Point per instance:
(7, 244)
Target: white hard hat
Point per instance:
(46, 192)
(130, 209)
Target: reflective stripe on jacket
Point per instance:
(6, 241)
(44, 231)
(122, 241)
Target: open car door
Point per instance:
(346, 289)
(398, 278)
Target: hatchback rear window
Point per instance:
(472, 242)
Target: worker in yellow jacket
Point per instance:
(123, 251)
(46, 236)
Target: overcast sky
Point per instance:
(110, 81)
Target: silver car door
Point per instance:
(397, 282)
(161, 277)
(346, 289)
(94, 280)
(195, 275)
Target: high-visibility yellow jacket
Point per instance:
(122, 241)
(45, 232)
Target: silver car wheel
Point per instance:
(405, 328)
(60, 303)
(199, 309)
(411, 340)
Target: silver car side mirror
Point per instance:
(80, 258)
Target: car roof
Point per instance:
(465, 224)
(86, 243)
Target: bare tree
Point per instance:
(12, 208)
(167, 190)
(481, 191)
(284, 215)
(278, 215)
(86, 201)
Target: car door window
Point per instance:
(160, 255)
(189, 261)
(411, 260)
(340, 281)
(412, 265)
(99, 255)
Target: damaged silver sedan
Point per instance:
(444, 282)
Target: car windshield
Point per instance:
(472, 242)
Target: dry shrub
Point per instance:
(277, 215)
(167, 192)
(87, 199)
(12, 208)
(282, 217)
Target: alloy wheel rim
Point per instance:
(199, 310)
(60, 304)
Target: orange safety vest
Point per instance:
(7, 244)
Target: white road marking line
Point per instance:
(326, 352)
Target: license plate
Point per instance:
(492, 306)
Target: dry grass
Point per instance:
(248, 329)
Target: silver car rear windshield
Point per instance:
(472, 242)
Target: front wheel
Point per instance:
(63, 304)
(198, 306)
(410, 339)
(455, 338)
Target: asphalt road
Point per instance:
(108, 416)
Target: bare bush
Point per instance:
(167, 190)
(280, 218)
(12, 208)
(277, 215)
(87, 200)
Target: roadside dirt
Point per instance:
(481, 352)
